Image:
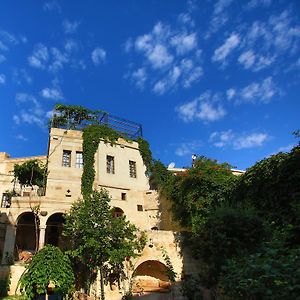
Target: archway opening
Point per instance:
(54, 227)
(117, 212)
(151, 276)
(27, 236)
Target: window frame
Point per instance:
(79, 160)
(132, 169)
(65, 161)
(110, 164)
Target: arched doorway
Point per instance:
(117, 212)
(151, 276)
(27, 236)
(54, 227)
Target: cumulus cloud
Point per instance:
(53, 59)
(31, 111)
(139, 77)
(52, 93)
(70, 27)
(219, 17)
(255, 92)
(236, 141)
(98, 55)
(170, 55)
(184, 149)
(221, 53)
(2, 79)
(250, 141)
(39, 57)
(205, 108)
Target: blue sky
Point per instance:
(215, 78)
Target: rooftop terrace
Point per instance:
(127, 128)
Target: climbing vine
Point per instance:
(91, 139)
(146, 154)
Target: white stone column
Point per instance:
(42, 237)
(9, 243)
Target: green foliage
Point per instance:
(199, 190)
(271, 274)
(97, 238)
(91, 138)
(228, 232)
(146, 154)
(72, 116)
(48, 265)
(170, 269)
(272, 185)
(191, 288)
(30, 173)
(160, 176)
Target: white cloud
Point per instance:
(39, 57)
(250, 141)
(31, 111)
(221, 139)
(70, 27)
(184, 42)
(52, 93)
(98, 55)
(265, 43)
(229, 45)
(71, 45)
(170, 55)
(159, 57)
(21, 75)
(2, 79)
(205, 108)
(168, 82)
(139, 77)
(247, 59)
(255, 3)
(188, 148)
(230, 93)
(59, 59)
(51, 5)
(262, 91)
(219, 17)
(230, 139)
(21, 137)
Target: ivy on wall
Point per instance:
(74, 116)
(91, 139)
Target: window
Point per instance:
(79, 160)
(5, 200)
(66, 161)
(132, 169)
(140, 207)
(110, 164)
(123, 196)
(117, 212)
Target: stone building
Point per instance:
(120, 170)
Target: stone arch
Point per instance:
(54, 227)
(117, 212)
(151, 276)
(27, 235)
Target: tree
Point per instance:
(50, 266)
(30, 173)
(99, 240)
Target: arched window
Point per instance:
(117, 212)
